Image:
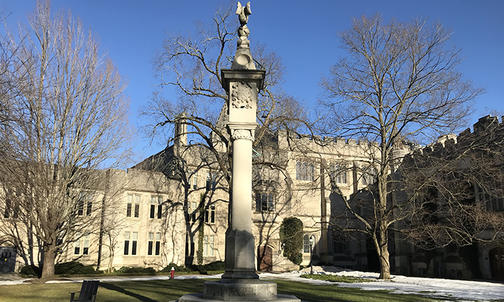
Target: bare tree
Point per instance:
(460, 202)
(69, 120)
(398, 83)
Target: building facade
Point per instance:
(173, 208)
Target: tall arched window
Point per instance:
(306, 244)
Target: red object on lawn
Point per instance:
(172, 273)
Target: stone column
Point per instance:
(240, 259)
(242, 83)
(242, 87)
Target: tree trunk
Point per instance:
(383, 254)
(382, 248)
(189, 253)
(48, 262)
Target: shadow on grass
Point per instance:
(121, 290)
(151, 291)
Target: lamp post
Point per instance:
(311, 254)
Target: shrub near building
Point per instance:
(291, 236)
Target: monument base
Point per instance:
(238, 290)
(240, 257)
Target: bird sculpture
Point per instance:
(243, 12)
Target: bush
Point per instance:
(202, 269)
(177, 268)
(291, 236)
(29, 270)
(73, 268)
(136, 270)
(214, 266)
(296, 258)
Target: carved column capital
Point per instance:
(242, 134)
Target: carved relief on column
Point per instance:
(242, 134)
(242, 95)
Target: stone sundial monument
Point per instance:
(242, 83)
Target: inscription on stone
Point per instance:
(241, 291)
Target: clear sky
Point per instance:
(303, 33)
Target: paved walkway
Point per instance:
(13, 279)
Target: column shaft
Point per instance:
(242, 185)
(240, 254)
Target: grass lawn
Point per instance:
(167, 290)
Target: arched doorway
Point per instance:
(265, 258)
(7, 259)
(497, 263)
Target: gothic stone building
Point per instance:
(173, 208)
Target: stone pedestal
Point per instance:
(239, 290)
(239, 255)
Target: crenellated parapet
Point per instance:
(358, 149)
(315, 142)
(486, 127)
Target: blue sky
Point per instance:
(303, 33)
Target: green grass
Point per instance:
(331, 293)
(335, 278)
(168, 290)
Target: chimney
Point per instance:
(180, 135)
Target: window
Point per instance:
(137, 210)
(128, 210)
(154, 246)
(152, 210)
(306, 244)
(208, 245)
(368, 175)
(11, 204)
(193, 181)
(81, 246)
(85, 201)
(89, 207)
(158, 243)
(210, 214)
(338, 173)
(133, 204)
(264, 202)
(80, 207)
(77, 247)
(211, 181)
(304, 171)
(156, 202)
(85, 249)
(134, 239)
(126, 242)
(150, 243)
